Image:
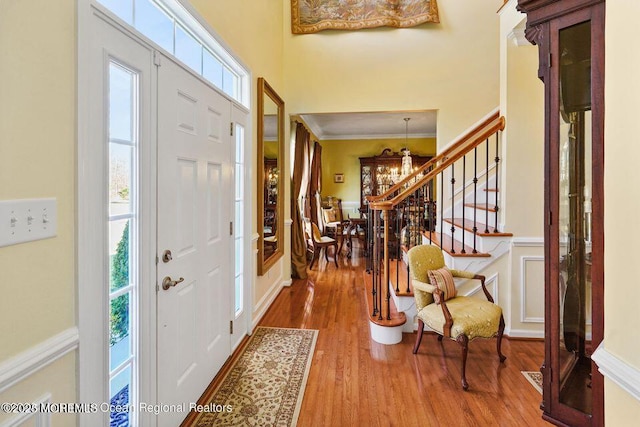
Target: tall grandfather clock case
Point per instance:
(570, 39)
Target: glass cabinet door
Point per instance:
(575, 221)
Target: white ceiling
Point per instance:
(374, 125)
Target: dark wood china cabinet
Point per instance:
(376, 172)
(570, 38)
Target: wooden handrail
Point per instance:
(447, 159)
(447, 152)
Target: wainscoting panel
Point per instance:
(36, 419)
(532, 289)
(32, 360)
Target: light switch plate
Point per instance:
(26, 220)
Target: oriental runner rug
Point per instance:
(266, 383)
(535, 378)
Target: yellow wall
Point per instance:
(451, 67)
(342, 156)
(37, 149)
(622, 200)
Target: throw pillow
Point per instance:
(443, 279)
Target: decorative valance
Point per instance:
(312, 16)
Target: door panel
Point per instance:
(194, 166)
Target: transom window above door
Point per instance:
(171, 27)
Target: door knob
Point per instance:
(168, 283)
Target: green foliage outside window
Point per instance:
(119, 324)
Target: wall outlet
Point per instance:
(26, 220)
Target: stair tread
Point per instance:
(468, 225)
(397, 318)
(482, 206)
(457, 246)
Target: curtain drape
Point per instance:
(315, 185)
(298, 244)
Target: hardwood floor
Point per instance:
(355, 381)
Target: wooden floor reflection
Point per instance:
(355, 381)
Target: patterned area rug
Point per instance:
(535, 378)
(266, 384)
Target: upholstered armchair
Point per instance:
(461, 319)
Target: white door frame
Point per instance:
(91, 317)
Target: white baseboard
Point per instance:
(524, 333)
(265, 302)
(617, 370)
(37, 357)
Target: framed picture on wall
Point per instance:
(338, 177)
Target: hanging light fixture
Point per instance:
(407, 164)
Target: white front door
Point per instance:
(195, 209)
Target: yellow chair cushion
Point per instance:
(471, 317)
(316, 232)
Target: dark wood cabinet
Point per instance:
(570, 39)
(376, 172)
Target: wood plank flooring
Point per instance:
(357, 382)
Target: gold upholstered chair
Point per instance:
(459, 318)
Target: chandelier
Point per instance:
(407, 166)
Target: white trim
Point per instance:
(385, 334)
(349, 137)
(288, 222)
(623, 374)
(523, 333)
(254, 238)
(529, 242)
(37, 357)
(523, 287)
(41, 419)
(287, 283)
(265, 302)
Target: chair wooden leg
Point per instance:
(464, 343)
(335, 254)
(313, 259)
(499, 345)
(419, 336)
(326, 253)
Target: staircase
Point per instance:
(463, 219)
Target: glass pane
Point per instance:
(238, 289)
(155, 24)
(239, 144)
(120, 188)
(574, 222)
(238, 257)
(212, 68)
(119, 327)
(239, 219)
(188, 50)
(239, 173)
(120, 103)
(120, 395)
(122, 8)
(229, 82)
(119, 250)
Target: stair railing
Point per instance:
(408, 213)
